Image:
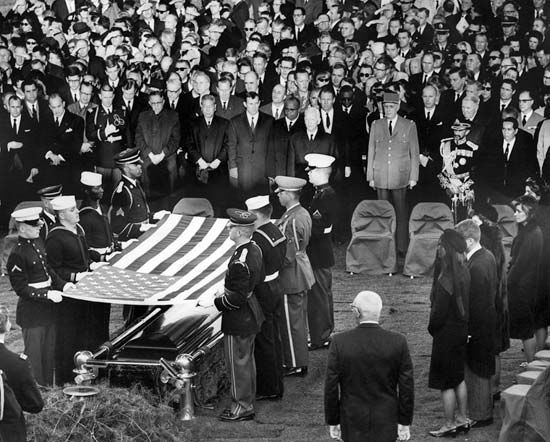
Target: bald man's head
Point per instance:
(368, 305)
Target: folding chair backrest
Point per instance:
(506, 221)
(374, 217)
(430, 218)
(194, 207)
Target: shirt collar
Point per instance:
(133, 181)
(471, 252)
(393, 120)
(528, 115)
(369, 322)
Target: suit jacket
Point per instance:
(508, 176)
(247, 150)
(60, 10)
(158, 133)
(340, 131)
(208, 143)
(426, 38)
(20, 161)
(65, 139)
(416, 83)
(139, 105)
(301, 145)
(268, 110)
(452, 108)
(239, 15)
(369, 410)
(307, 34)
(356, 131)
(543, 143)
(532, 125)
(234, 107)
(42, 109)
(279, 146)
(313, 9)
(393, 160)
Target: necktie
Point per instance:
(277, 112)
(129, 106)
(524, 121)
(502, 106)
(57, 121)
(428, 115)
(173, 105)
(327, 121)
(425, 79)
(310, 137)
(224, 105)
(390, 127)
(457, 96)
(403, 54)
(75, 98)
(15, 125)
(506, 151)
(252, 124)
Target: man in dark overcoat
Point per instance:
(381, 408)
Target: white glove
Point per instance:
(202, 164)
(55, 296)
(347, 171)
(97, 265)
(125, 244)
(13, 145)
(403, 432)
(110, 129)
(153, 158)
(85, 148)
(81, 275)
(145, 226)
(335, 432)
(69, 286)
(206, 301)
(215, 164)
(161, 213)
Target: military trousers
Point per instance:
(268, 350)
(294, 330)
(320, 311)
(239, 360)
(40, 349)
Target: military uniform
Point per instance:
(19, 379)
(49, 221)
(242, 318)
(462, 155)
(68, 255)
(129, 209)
(296, 277)
(31, 277)
(323, 209)
(268, 345)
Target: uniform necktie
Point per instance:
(506, 151)
(327, 121)
(524, 121)
(390, 127)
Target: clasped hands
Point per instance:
(204, 165)
(403, 432)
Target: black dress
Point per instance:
(523, 280)
(449, 328)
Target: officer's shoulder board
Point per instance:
(119, 187)
(272, 241)
(471, 144)
(244, 254)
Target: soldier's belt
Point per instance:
(328, 229)
(41, 285)
(271, 277)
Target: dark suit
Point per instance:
(301, 145)
(60, 10)
(139, 104)
(41, 107)
(369, 410)
(239, 15)
(64, 139)
(247, 151)
(451, 107)
(234, 107)
(416, 83)
(426, 37)
(306, 35)
(313, 9)
(279, 146)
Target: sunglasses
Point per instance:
(323, 79)
(249, 29)
(34, 222)
(494, 57)
(364, 74)
(181, 69)
(487, 88)
(457, 60)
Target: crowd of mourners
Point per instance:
(131, 104)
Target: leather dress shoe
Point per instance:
(482, 423)
(444, 432)
(295, 371)
(312, 347)
(228, 416)
(268, 397)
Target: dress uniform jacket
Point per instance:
(273, 246)
(323, 210)
(369, 411)
(106, 147)
(241, 312)
(20, 381)
(97, 230)
(129, 209)
(296, 274)
(31, 277)
(393, 160)
(49, 221)
(247, 150)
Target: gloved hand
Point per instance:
(55, 296)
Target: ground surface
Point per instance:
(299, 416)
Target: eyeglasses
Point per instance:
(546, 78)
(487, 88)
(457, 60)
(181, 68)
(364, 74)
(152, 103)
(25, 24)
(30, 42)
(323, 79)
(249, 29)
(526, 100)
(494, 57)
(291, 108)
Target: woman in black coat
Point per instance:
(523, 274)
(449, 327)
(542, 308)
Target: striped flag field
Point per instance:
(179, 260)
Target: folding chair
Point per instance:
(194, 207)
(508, 226)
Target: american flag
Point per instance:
(179, 260)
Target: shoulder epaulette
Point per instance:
(243, 256)
(119, 187)
(473, 145)
(444, 140)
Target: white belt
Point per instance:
(41, 285)
(271, 277)
(328, 229)
(101, 250)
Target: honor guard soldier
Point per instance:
(268, 344)
(242, 315)
(68, 256)
(38, 288)
(47, 194)
(18, 389)
(296, 275)
(101, 243)
(322, 209)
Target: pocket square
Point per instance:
(27, 130)
(70, 129)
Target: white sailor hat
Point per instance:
(91, 179)
(27, 214)
(257, 202)
(63, 202)
(318, 160)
